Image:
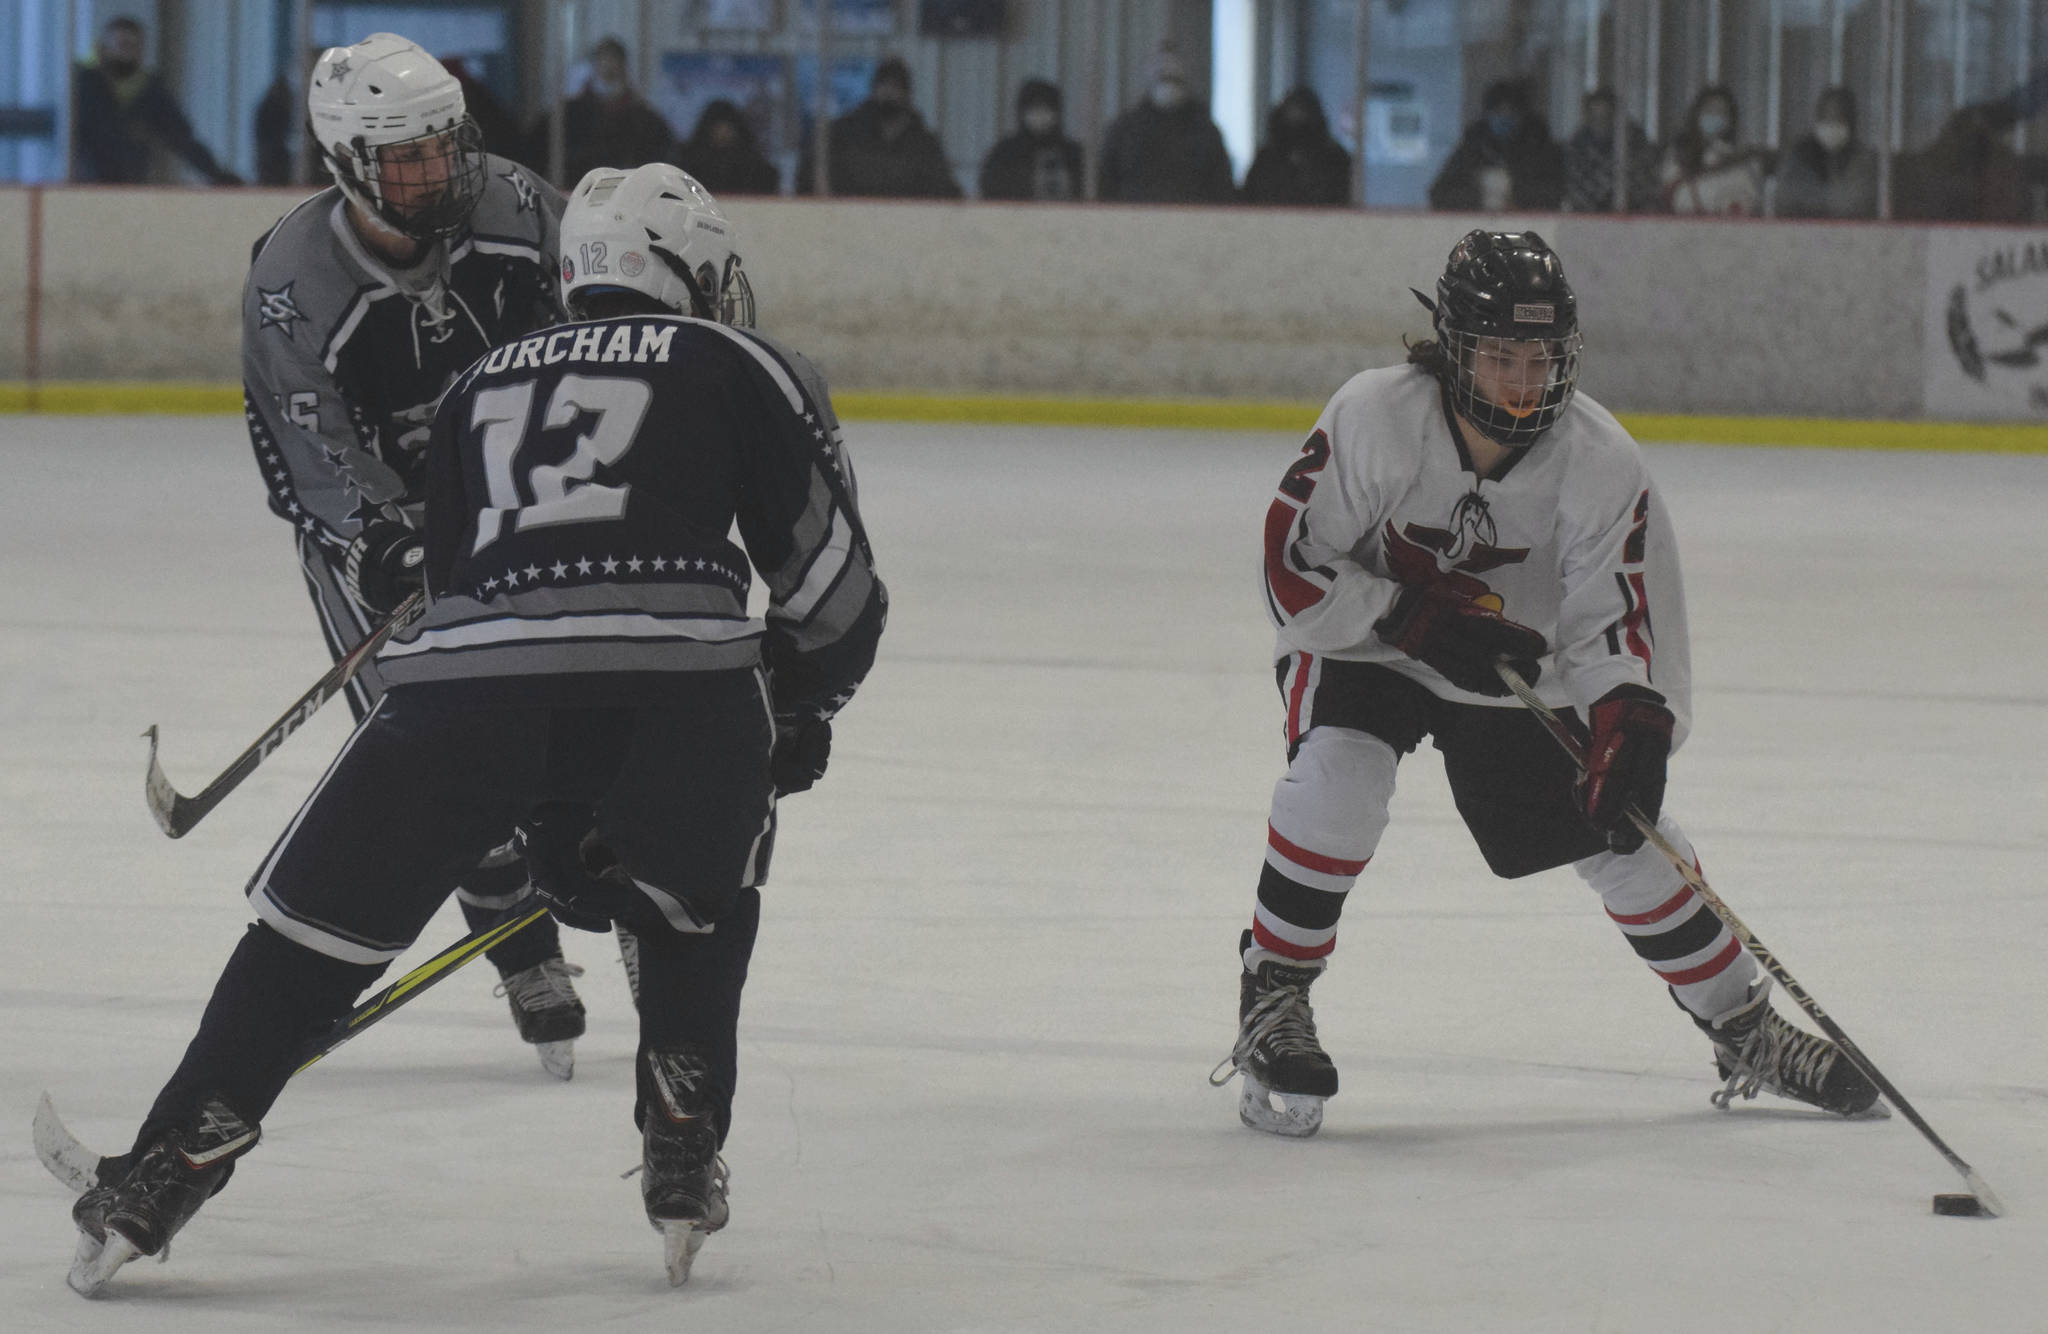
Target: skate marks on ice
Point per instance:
(998, 963)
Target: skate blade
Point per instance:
(680, 1242)
(97, 1261)
(1293, 1115)
(557, 1058)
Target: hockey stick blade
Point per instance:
(176, 813)
(80, 1169)
(59, 1150)
(1561, 732)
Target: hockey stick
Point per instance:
(1989, 1203)
(79, 1168)
(407, 988)
(177, 813)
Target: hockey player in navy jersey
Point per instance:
(587, 671)
(362, 304)
(1464, 508)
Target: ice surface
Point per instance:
(997, 959)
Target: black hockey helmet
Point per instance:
(1507, 286)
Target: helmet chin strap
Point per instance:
(700, 302)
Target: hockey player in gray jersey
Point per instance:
(362, 304)
(586, 670)
(1465, 508)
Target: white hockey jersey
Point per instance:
(1569, 537)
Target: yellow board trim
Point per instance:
(85, 397)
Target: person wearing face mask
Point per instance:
(1505, 160)
(1829, 173)
(882, 148)
(1300, 163)
(608, 124)
(1705, 170)
(1166, 149)
(124, 116)
(1589, 160)
(1039, 161)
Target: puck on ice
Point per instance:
(1959, 1206)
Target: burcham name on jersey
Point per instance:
(570, 552)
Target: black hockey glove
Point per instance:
(802, 747)
(1631, 740)
(382, 565)
(577, 876)
(1460, 638)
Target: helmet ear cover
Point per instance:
(727, 298)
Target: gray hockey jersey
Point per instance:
(344, 356)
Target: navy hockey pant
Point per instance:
(681, 792)
(486, 893)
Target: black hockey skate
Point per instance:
(549, 1013)
(1755, 1051)
(1286, 1072)
(683, 1181)
(164, 1186)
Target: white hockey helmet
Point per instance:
(393, 129)
(653, 230)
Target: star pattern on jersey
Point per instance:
(277, 478)
(277, 309)
(528, 197)
(606, 569)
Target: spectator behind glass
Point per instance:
(881, 148)
(494, 120)
(608, 124)
(1829, 172)
(279, 118)
(123, 116)
(1038, 161)
(1589, 161)
(1166, 150)
(1704, 169)
(724, 156)
(1506, 159)
(1969, 173)
(1299, 163)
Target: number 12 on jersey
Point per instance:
(560, 492)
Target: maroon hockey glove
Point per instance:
(382, 565)
(1625, 763)
(1460, 638)
(802, 747)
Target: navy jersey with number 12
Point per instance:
(583, 485)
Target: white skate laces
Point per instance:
(545, 986)
(1778, 1058)
(1281, 1021)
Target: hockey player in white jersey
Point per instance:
(362, 304)
(1467, 507)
